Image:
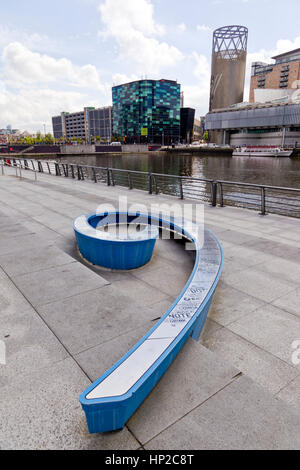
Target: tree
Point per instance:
(205, 136)
(49, 139)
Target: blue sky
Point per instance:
(66, 54)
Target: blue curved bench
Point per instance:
(111, 400)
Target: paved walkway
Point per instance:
(64, 323)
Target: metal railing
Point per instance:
(265, 198)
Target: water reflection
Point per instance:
(276, 171)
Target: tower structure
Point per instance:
(229, 53)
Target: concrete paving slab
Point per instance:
(53, 220)
(271, 329)
(262, 285)
(289, 302)
(173, 250)
(11, 300)
(9, 230)
(263, 243)
(241, 416)
(37, 259)
(28, 241)
(275, 248)
(98, 359)
(236, 237)
(168, 282)
(245, 256)
(30, 345)
(281, 268)
(142, 291)
(229, 304)
(44, 232)
(94, 317)
(291, 393)
(61, 282)
(210, 326)
(43, 412)
(158, 309)
(199, 374)
(264, 368)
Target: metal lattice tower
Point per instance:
(229, 51)
(229, 40)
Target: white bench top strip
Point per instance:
(125, 376)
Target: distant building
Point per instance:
(147, 111)
(267, 124)
(187, 116)
(281, 75)
(198, 128)
(181, 99)
(89, 124)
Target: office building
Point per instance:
(147, 111)
(187, 116)
(90, 124)
(282, 75)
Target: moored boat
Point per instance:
(261, 152)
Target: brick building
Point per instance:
(281, 75)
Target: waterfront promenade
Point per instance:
(64, 323)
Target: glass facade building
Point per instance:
(147, 111)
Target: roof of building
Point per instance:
(286, 54)
(147, 80)
(244, 106)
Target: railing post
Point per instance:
(221, 195)
(94, 175)
(78, 173)
(156, 185)
(263, 201)
(181, 188)
(214, 189)
(150, 183)
(72, 171)
(129, 180)
(107, 177)
(112, 177)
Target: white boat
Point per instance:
(261, 152)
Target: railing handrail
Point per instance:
(146, 173)
(254, 185)
(263, 198)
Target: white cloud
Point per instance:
(132, 25)
(26, 101)
(203, 27)
(23, 67)
(119, 78)
(197, 96)
(28, 39)
(29, 109)
(181, 27)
